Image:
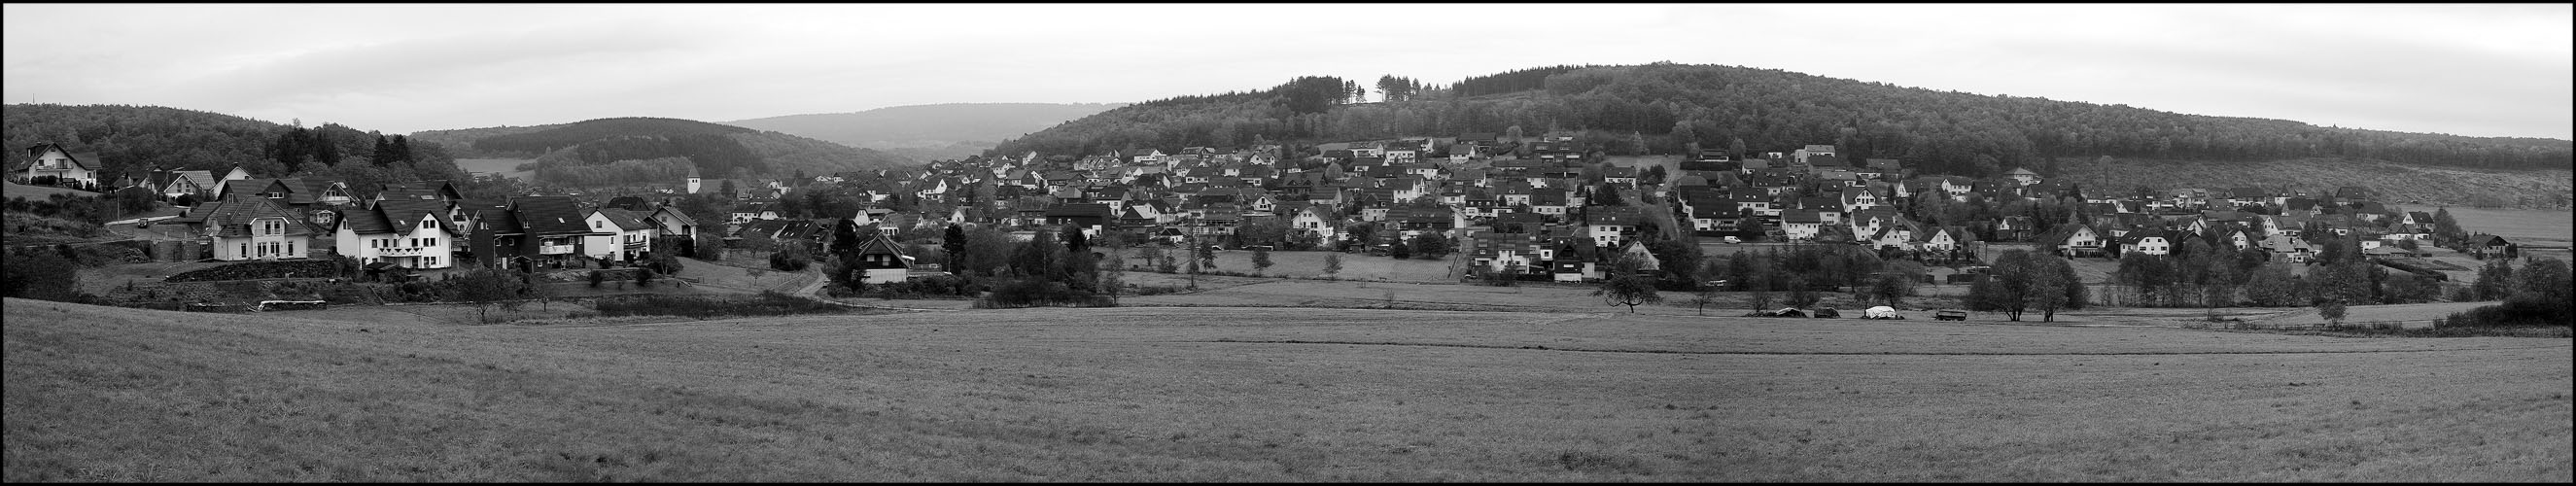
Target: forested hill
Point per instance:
(942, 131)
(1666, 108)
(135, 136)
(649, 147)
(129, 138)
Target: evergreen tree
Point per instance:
(383, 154)
(402, 150)
(953, 244)
(324, 148)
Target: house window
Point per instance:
(598, 225)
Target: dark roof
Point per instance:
(676, 215)
(544, 215)
(497, 221)
(1079, 210)
(623, 219)
(396, 194)
(232, 216)
(399, 214)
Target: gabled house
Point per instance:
(668, 221)
(1574, 263)
(1940, 239)
(883, 261)
(1318, 220)
(2149, 242)
(1091, 217)
(253, 228)
(51, 163)
(2015, 228)
(404, 233)
(2023, 176)
(552, 229)
(195, 184)
(1801, 224)
(617, 234)
(2073, 240)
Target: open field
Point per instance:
(2411, 186)
(504, 167)
(2517, 225)
(1228, 394)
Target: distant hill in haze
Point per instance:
(929, 132)
(640, 149)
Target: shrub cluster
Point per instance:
(768, 303)
(1029, 292)
(21, 224)
(259, 270)
(2519, 310)
(939, 286)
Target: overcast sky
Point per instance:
(2477, 70)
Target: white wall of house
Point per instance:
(268, 240)
(425, 246)
(609, 242)
(56, 163)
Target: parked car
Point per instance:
(1950, 315)
(1881, 312)
(1827, 312)
(1732, 240)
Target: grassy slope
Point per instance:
(2397, 183)
(1151, 394)
(9, 190)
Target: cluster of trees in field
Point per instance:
(2198, 273)
(2539, 293)
(1670, 108)
(2021, 281)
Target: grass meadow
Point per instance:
(2518, 225)
(1258, 394)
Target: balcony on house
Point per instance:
(398, 251)
(554, 249)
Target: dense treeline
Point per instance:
(542, 141)
(1668, 108)
(616, 151)
(715, 156)
(1509, 81)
